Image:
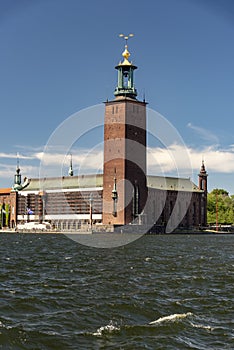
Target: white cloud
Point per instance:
(80, 157)
(14, 156)
(7, 172)
(169, 160)
(160, 161)
(205, 134)
(174, 158)
(216, 160)
(28, 148)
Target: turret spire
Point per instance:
(17, 177)
(70, 171)
(114, 196)
(203, 177)
(18, 185)
(203, 169)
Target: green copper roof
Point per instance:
(171, 183)
(68, 182)
(92, 181)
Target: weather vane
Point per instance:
(126, 37)
(126, 53)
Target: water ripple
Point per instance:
(160, 292)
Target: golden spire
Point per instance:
(126, 53)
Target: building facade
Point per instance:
(123, 195)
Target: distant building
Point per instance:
(123, 194)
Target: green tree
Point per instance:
(219, 191)
(220, 204)
(7, 209)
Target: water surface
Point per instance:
(159, 292)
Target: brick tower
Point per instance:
(124, 178)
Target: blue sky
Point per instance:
(57, 57)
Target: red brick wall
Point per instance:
(125, 154)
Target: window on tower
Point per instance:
(125, 79)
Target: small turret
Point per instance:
(202, 178)
(114, 196)
(17, 177)
(70, 171)
(18, 186)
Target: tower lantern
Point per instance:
(125, 86)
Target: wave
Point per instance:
(173, 318)
(176, 317)
(208, 328)
(106, 329)
(109, 328)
